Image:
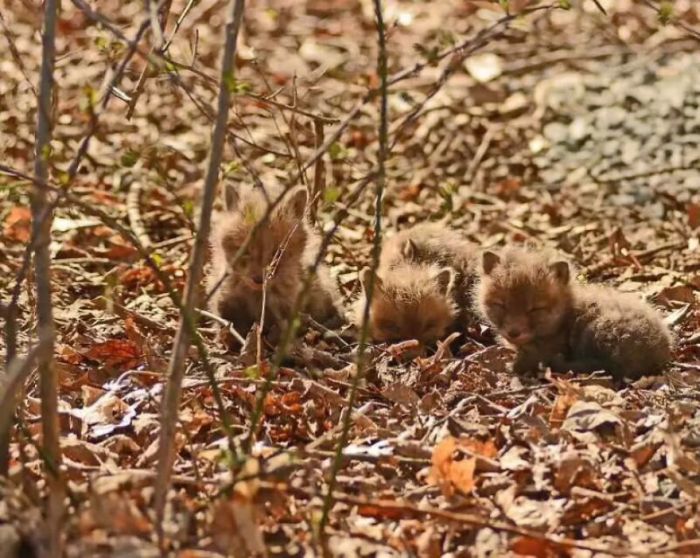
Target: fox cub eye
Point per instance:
(387, 325)
(538, 310)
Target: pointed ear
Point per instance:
(231, 197)
(489, 260)
(446, 279)
(561, 271)
(365, 276)
(296, 201)
(408, 250)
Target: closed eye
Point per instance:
(389, 326)
(538, 309)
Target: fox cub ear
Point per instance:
(489, 260)
(408, 250)
(296, 201)
(365, 276)
(231, 197)
(446, 279)
(561, 271)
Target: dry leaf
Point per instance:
(120, 353)
(454, 469)
(18, 224)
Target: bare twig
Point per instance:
(91, 209)
(178, 23)
(11, 318)
(15, 53)
(467, 48)
(476, 521)
(376, 248)
(674, 20)
(41, 225)
(602, 179)
(290, 331)
(13, 379)
(173, 389)
(140, 84)
(316, 195)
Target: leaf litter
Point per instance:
(533, 138)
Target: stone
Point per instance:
(579, 129)
(611, 117)
(556, 132)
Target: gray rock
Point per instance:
(579, 129)
(643, 93)
(552, 176)
(692, 182)
(610, 148)
(555, 132)
(630, 151)
(623, 200)
(611, 117)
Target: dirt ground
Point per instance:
(567, 128)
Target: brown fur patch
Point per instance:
(528, 297)
(410, 301)
(284, 238)
(439, 245)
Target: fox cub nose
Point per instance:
(513, 333)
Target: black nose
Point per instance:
(513, 333)
(258, 279)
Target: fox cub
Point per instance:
(279, 252)
(422, 285)
(530, 299)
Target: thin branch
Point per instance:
(41, 225)
(376, 249)
(16, 56)
(173, 388)
(467, 48)
(145, 73)
(694, 33)
(178, 23)
(146, 254)
(316, 196)
(472, 520)
(73, 167)
(13, 379)
(290, 331)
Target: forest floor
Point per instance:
(571, 129)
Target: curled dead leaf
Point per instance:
(539, 548)
(452, 468)
(18, 224)
(561, 407)
(118, 353)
